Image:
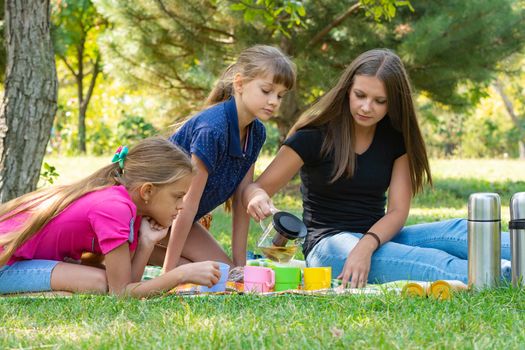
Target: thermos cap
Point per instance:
(517, 206)
(484, 207)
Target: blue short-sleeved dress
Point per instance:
(213, 136)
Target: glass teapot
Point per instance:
(281, 236)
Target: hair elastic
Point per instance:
(376, 237)
(120, 156)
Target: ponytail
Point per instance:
(223, 89)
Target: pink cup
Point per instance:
(258, 279)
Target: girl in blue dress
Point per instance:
(224, 141)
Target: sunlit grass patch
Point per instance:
(474, 320)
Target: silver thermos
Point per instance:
(517, 237)
(484, 240)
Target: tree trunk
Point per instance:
(82, 130)
(81, 108)
(30, 99)
(509, 107)
(289, 111)
(84, 101)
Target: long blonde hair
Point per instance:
(333, 111)
(255, 61)
(155, 160)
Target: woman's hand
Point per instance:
(204, 273)
(260, 205)
(357, 265)
(151, 231)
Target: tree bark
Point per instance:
(30, 99)
(289, 111)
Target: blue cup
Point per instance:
(220, 286)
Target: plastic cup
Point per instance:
(317, 278)
(258, 279)
(287, 278)
(220, 286)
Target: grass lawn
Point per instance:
(489, 319)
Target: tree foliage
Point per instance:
(174, 47)
(180, 48)
(451, 48)
(451, 43)
(76, 27)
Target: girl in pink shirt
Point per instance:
(43, 233)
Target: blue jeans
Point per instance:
(424, 252)
(26, 276)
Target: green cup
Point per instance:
(287, 278)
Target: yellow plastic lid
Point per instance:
(441, 290)
(413, 289)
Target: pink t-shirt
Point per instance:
(98, 222)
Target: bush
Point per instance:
(133, 128)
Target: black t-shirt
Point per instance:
(348, 204)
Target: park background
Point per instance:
(126, 70)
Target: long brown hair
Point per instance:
(253, 62)
(333, 111)
(155, 160)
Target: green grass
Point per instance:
(489, 319)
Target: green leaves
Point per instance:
(383, 9)
(48, 174)
(76, 23)
(278, 15)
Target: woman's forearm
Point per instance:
(389, 225)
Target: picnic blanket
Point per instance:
(441, 289)
(189, 289)
(404, 288)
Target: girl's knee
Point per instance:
(99, 282)
(459, 221)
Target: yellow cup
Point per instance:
(415, 289)
(317, 278)
(443, 290)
